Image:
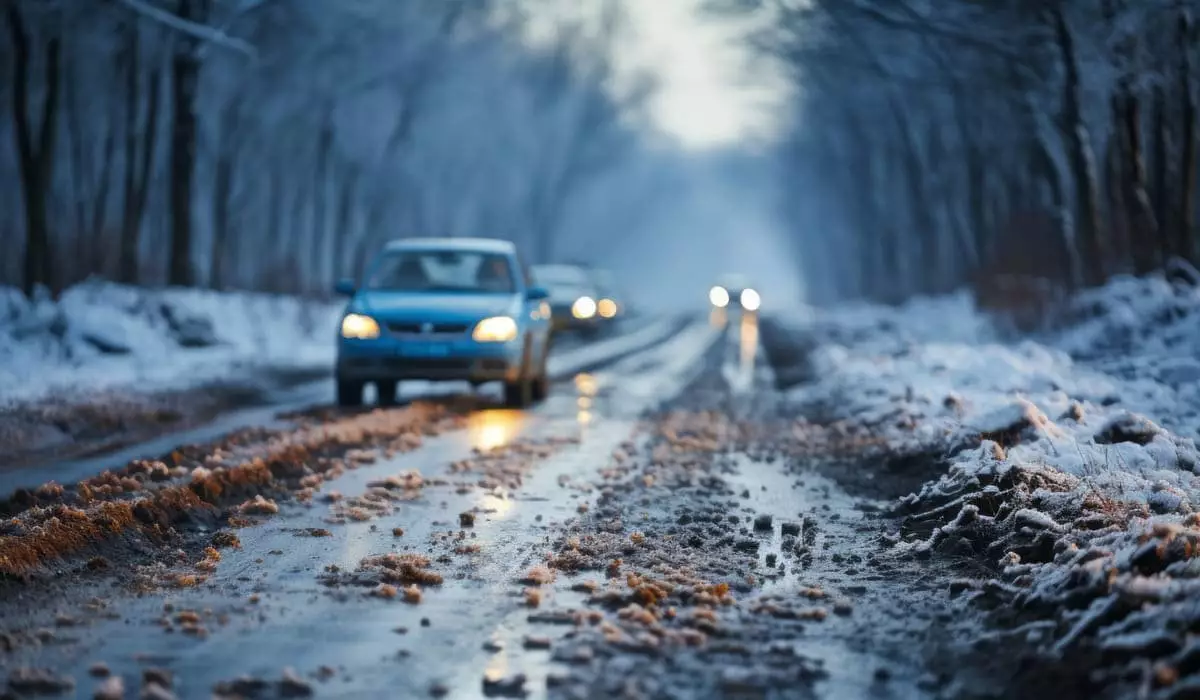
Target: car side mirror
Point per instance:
(344, 288)
(537, 294)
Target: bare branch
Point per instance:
(202, 32)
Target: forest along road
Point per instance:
(659, 528)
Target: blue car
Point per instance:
(457, 309)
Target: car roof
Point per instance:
(482, 245)
(561, 273)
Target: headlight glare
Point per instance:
(719, 296)
(750, 300)
(607, 308)
(497, 329)
(583, 308)
(359, 327)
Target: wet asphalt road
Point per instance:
(605, 486)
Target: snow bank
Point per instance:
(1070, 463)
(101, 336)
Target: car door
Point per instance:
(537, 313)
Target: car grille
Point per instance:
(417, 328)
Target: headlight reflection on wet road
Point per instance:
(587, 386)
(492, 428)
(748, 343)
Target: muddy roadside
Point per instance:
(1008, 650)
(75, 426)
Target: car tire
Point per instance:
(541, 388)
(541, 384)
(349, 393)
(519, 394)
(385, 392)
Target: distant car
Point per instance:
(610, 302)
(734, 292)
(444, 309)
(573, 297)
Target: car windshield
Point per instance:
(443, 271)
(560, 276)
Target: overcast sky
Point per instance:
(712, 92)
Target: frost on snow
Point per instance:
(1070, 463)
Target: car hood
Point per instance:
(416, 305)
(568, 294)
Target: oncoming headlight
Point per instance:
(497, 329)
(719, 296)
(607, 308)
(750, 300)
(583, 308)
(359, 327)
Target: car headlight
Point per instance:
(750, 300)
(607, 308)
(359, 327)
(497, 329)
(584, 307)
(719, 296)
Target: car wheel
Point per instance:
(385, 393)
(541, 388)
(519, 394)
(541, 385)
(349, 393)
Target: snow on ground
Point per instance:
(1069, 464)
(103, 336)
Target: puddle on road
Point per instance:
(838, 642)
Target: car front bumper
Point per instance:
(561, 319)
(436, 360)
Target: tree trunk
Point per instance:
(222, 194)
(1143, 226)
(1185, 246)
(1042, 162)
(274, 231)
(103, 188)
(1163, 184)
(227, 152)
(131, 218)
(35, 151)
(1079, 153)
(85, 263)
(320, 229)
(1114, 184)
(185, 73)
(343, 221)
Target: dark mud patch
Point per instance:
(76, 426)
